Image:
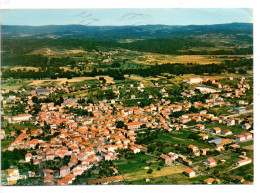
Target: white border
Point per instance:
(22, 4)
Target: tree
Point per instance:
(120, 124)
(150, 171)
(35, 99)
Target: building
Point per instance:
(189, 172)
(216, 130)
(133, 125)
(244, 162)
(209, 180)
(64, 171)
(241, 138)
(135, 150)
(226, 132)
(167, 159)
(173, 156)
(13, 175)
(203, 136)
(28, 157)
(200, 126)
(248, 136)
(42, 92)
(246, 126)
(2, 133)
(210, 162)
(239, 109)
(22, 117)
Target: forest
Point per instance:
(118, 74)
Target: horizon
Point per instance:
(126, 17)
(127, 25)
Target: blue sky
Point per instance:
(99, 17)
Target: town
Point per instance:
(186, 129)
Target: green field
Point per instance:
(134, 169)
(181, 137)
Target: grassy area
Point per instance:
(177, 178)
(17, 127)
(246, 171)
(133, 164)
(14, 84)
(181, 137)
(5, 143)
(134, 168)
(165, 172)
(246, 144)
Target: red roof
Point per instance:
(188, 170)
(133, 123)
(211, 160)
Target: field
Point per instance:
(181, 137)
(14, 84)
(134, 170)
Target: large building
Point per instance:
(42, 92)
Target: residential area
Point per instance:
(129, 132)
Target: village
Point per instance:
(200, 139)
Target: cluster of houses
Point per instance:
(90, 139)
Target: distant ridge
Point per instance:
(140, 31)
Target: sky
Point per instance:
(115, 17)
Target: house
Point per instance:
(225, 141)
(64, 171)
(189, 172)
(246, 126)
(239, 179)
(13, 175)
(2, 133)
(241, 138)
(231, 122)
(115, 171)
(48, 179)
(203, 136)
(197, 153)
(22, 117)
(210, 162)
(226, 132)
(248, 136)
(47, 172)
(67, 180)
(239, 109)
(219, 147)
(173, 156)
(167, 159)
(251, 120)
(133, 125)
(187, 162)
(132, 96)
(28, 157)
(234, 146)
(77, 171)
(209, 180)
(204, 151)
(200, 126)
(244, 162)
(216, 130)
(194, 148)
(135, 150)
